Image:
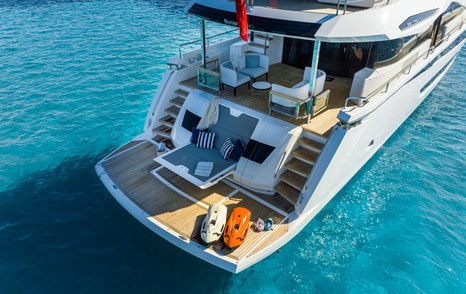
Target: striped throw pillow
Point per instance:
(206, 140)
(227, 148)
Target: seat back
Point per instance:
(320, 81)
(227, 74)
(237, 50)
(253, 61)
(307, 74)
(233, 127)
(300, 93)
(264, 61)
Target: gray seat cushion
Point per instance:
(190, 155)
(253, 72)
(227, 126)
(242, 79)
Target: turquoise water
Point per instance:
(76, 80)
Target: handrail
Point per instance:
(363, 100)
(208, 40)
(397, 75)
(279, 164)
(408, 67)
(158, 99)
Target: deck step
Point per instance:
(293, 179)
(310, 144)
(299, 167)
(163, 131)
(168, 121)
(182, 93)
(159, 138)
(305, 155)
(178, 101)
(288, 192)
(173, 111)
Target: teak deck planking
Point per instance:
(288, 76)
(131, 170)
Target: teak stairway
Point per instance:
(164, 130)
(298, 169)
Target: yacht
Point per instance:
(276, 123)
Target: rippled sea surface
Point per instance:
(76, 79)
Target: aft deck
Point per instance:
(287, 76)
(182, 206)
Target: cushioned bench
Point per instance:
(183, 160)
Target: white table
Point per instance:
(261, 88)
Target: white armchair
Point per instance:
(254, 65)
(320, 80)
(288, 101)
(231, 78)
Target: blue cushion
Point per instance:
(252, 61)
(238, 150)
(228, 65)
(195, 134)
(206, 140)
(227, 149)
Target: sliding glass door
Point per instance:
(339, 59)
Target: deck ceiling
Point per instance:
(297, 23)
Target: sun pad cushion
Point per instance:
(190, 155)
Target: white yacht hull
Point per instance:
(345, 152)
(299, 164)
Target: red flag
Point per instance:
(242, 19)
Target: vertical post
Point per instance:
(344, 9)
(203, 43)
(315, 61)
(312, 80)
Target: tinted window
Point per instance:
(190, 120)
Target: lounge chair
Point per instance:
(230, 77)
(320, 80)
(288, 101)
(254, 66)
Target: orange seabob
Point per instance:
(237, 227)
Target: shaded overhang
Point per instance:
(395, 20)
(275, 21)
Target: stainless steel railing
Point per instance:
(199, 41)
